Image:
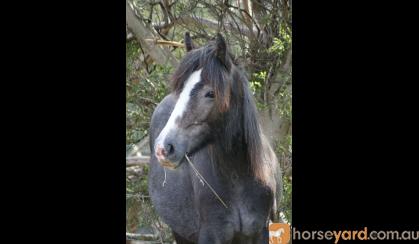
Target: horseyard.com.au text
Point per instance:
(363, 234)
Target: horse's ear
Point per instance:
(188, 42)
(221, 50)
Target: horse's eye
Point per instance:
(210, 94)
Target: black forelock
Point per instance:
(214, 72)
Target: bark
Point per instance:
(245, 5)
(288, 60)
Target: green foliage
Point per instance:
(286, 205)
(138, 185)
(282, 42)
(136, 189)
(278, 46)
(284, 153)
(145, 88)
(257, 81)
(285, 146)
(139, 210)
(143, 92)
(285, 104)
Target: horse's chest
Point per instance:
(253, 204)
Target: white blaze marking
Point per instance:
(180, 106)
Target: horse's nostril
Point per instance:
(170, 149)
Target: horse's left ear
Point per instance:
(221, 50)
(188, 42)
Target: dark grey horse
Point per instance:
(211, 117)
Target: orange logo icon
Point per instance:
(279, 233)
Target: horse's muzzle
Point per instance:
(161, 155)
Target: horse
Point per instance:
(210, 119)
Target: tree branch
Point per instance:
(137, 160)
(248, 19)
(202, 22)
(140, 31)
(141, 237)
(164, 42)
(139, 147)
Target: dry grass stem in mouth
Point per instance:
(201, 178)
